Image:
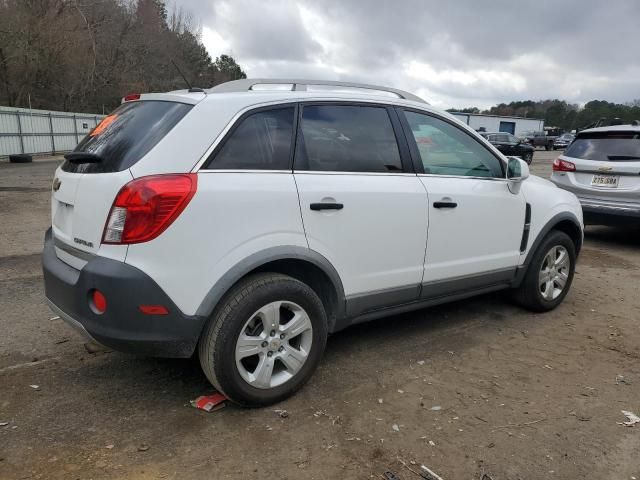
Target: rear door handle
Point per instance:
(445, 204)
(326, 206)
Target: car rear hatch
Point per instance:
(86, 184)
(607, 165)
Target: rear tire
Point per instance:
(264, 340)
(20, 158)
(528, 157)
(549, 275)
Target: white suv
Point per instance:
(249, 221)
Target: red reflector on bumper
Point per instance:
(153, 309)
(98, 301)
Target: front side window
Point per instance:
(347, 138)
(262, 141)
(447, 150)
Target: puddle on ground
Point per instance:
(24, 189)
(597, 258)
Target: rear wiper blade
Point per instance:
(394, 168)
(83, 157)
(622, 157)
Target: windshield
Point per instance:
(126, 135)
(606, 146)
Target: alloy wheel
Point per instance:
(554, 272)
(274, 344)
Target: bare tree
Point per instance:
(84, 55)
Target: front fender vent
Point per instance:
(525, 231)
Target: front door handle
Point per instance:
(326, 206)
(445, 204)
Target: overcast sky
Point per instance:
(453, 54)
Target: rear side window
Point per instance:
(127, 135)
(446, 150)
(347, 138)
(262, 141)
(605, 146)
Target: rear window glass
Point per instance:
(347, 138)
(606, 146)
(262, 141)
(126, 135)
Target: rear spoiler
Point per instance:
(191, 96)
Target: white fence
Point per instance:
(42, 131)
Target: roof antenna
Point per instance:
(191, 89)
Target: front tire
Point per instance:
(549, 275)
(264, 340)
(528, 157)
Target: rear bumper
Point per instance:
(606, 213)
(122, 326)
(599, 211)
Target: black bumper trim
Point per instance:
(594, 216)
(610, 210)
(122, 327)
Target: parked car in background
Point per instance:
(602, 167)
(563, 141)
(246, 222)
(510, 145)
(540, 139)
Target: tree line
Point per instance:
(84, 56)
(567, 116)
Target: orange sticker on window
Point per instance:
(424, 140)
(103, 125)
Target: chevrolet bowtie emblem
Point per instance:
(604, 169)
(56, 184)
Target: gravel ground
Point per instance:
(478, 386)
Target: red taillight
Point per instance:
(153, 309)
(145, 207)
(131, 97)
(563, 166)
(98, 301)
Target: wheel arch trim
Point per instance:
(551, 224)
(263, 257)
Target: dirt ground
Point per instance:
(478, 386)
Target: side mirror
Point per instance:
(517, 172)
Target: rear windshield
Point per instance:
(606, 146)
(126, 135)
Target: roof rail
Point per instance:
(247, 84)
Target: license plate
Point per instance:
(604, 181)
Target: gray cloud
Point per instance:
(453, 53)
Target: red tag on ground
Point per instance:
(210, 403)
